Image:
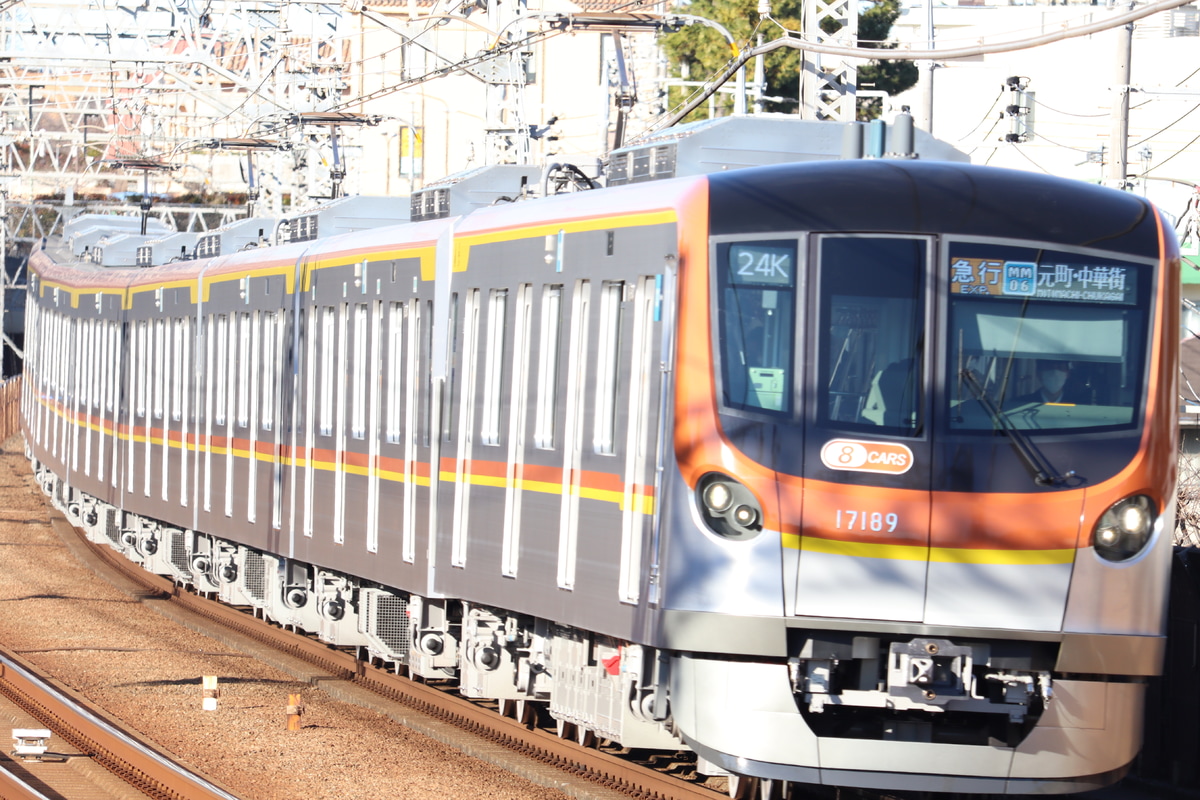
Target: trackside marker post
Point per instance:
(211, 693)
(294, 710)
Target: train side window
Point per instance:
(489, 425)
(871, 334)
(548, 358)
(176, 401)
(756, 300)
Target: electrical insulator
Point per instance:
(1019, 110)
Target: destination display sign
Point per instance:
(772, 265)
(1080, 283)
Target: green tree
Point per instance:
(698, 52)
(893, 77)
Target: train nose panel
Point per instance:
(1001, 561)
(863, 553)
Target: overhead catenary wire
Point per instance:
(795, 41)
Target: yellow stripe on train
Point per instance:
(939, 555)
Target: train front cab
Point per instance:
(931, 576)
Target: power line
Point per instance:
(795, 40)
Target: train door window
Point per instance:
(251, 387)
(518, 402)
(211, 377)
(244, 368)
(270, 369)
(115, 345)
(222, 368)
(577, 360)
(255, 382)
(73, 361)
(548, 356)
(118, 346)
(395, 371)
(608, 359)
(489, 425)
(637, 433)
(358, 381)
(231, 384)
(163, 397)
(328, 380)
(413, 386)
(376, 365)
(755, 315)
(183, 353)
(274, 402)
(77, 391)
(149, 381)
(162, 367)
(140, 339)
(342, 352)
(426, 328)
(450, 390)
(176, 401)
(87, 365)
(466, 422)
(102, 368)
(870, 340)
(310, 415)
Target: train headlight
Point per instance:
(728, 507)
(718, 497)
(1124, 529)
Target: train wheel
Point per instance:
(522, 711)
(585, 737)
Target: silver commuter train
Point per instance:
(635, 455)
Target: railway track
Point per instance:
(75, 725)
(512, 727)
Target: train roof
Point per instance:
(876, 195)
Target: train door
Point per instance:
(865, 539)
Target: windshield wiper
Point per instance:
(1044, 473)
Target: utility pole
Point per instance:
(925, 71)
(1118, 166)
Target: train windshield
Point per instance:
(1043, 340)
(756, 300)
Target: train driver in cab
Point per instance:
(1053, 385)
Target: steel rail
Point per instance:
(122, 754)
